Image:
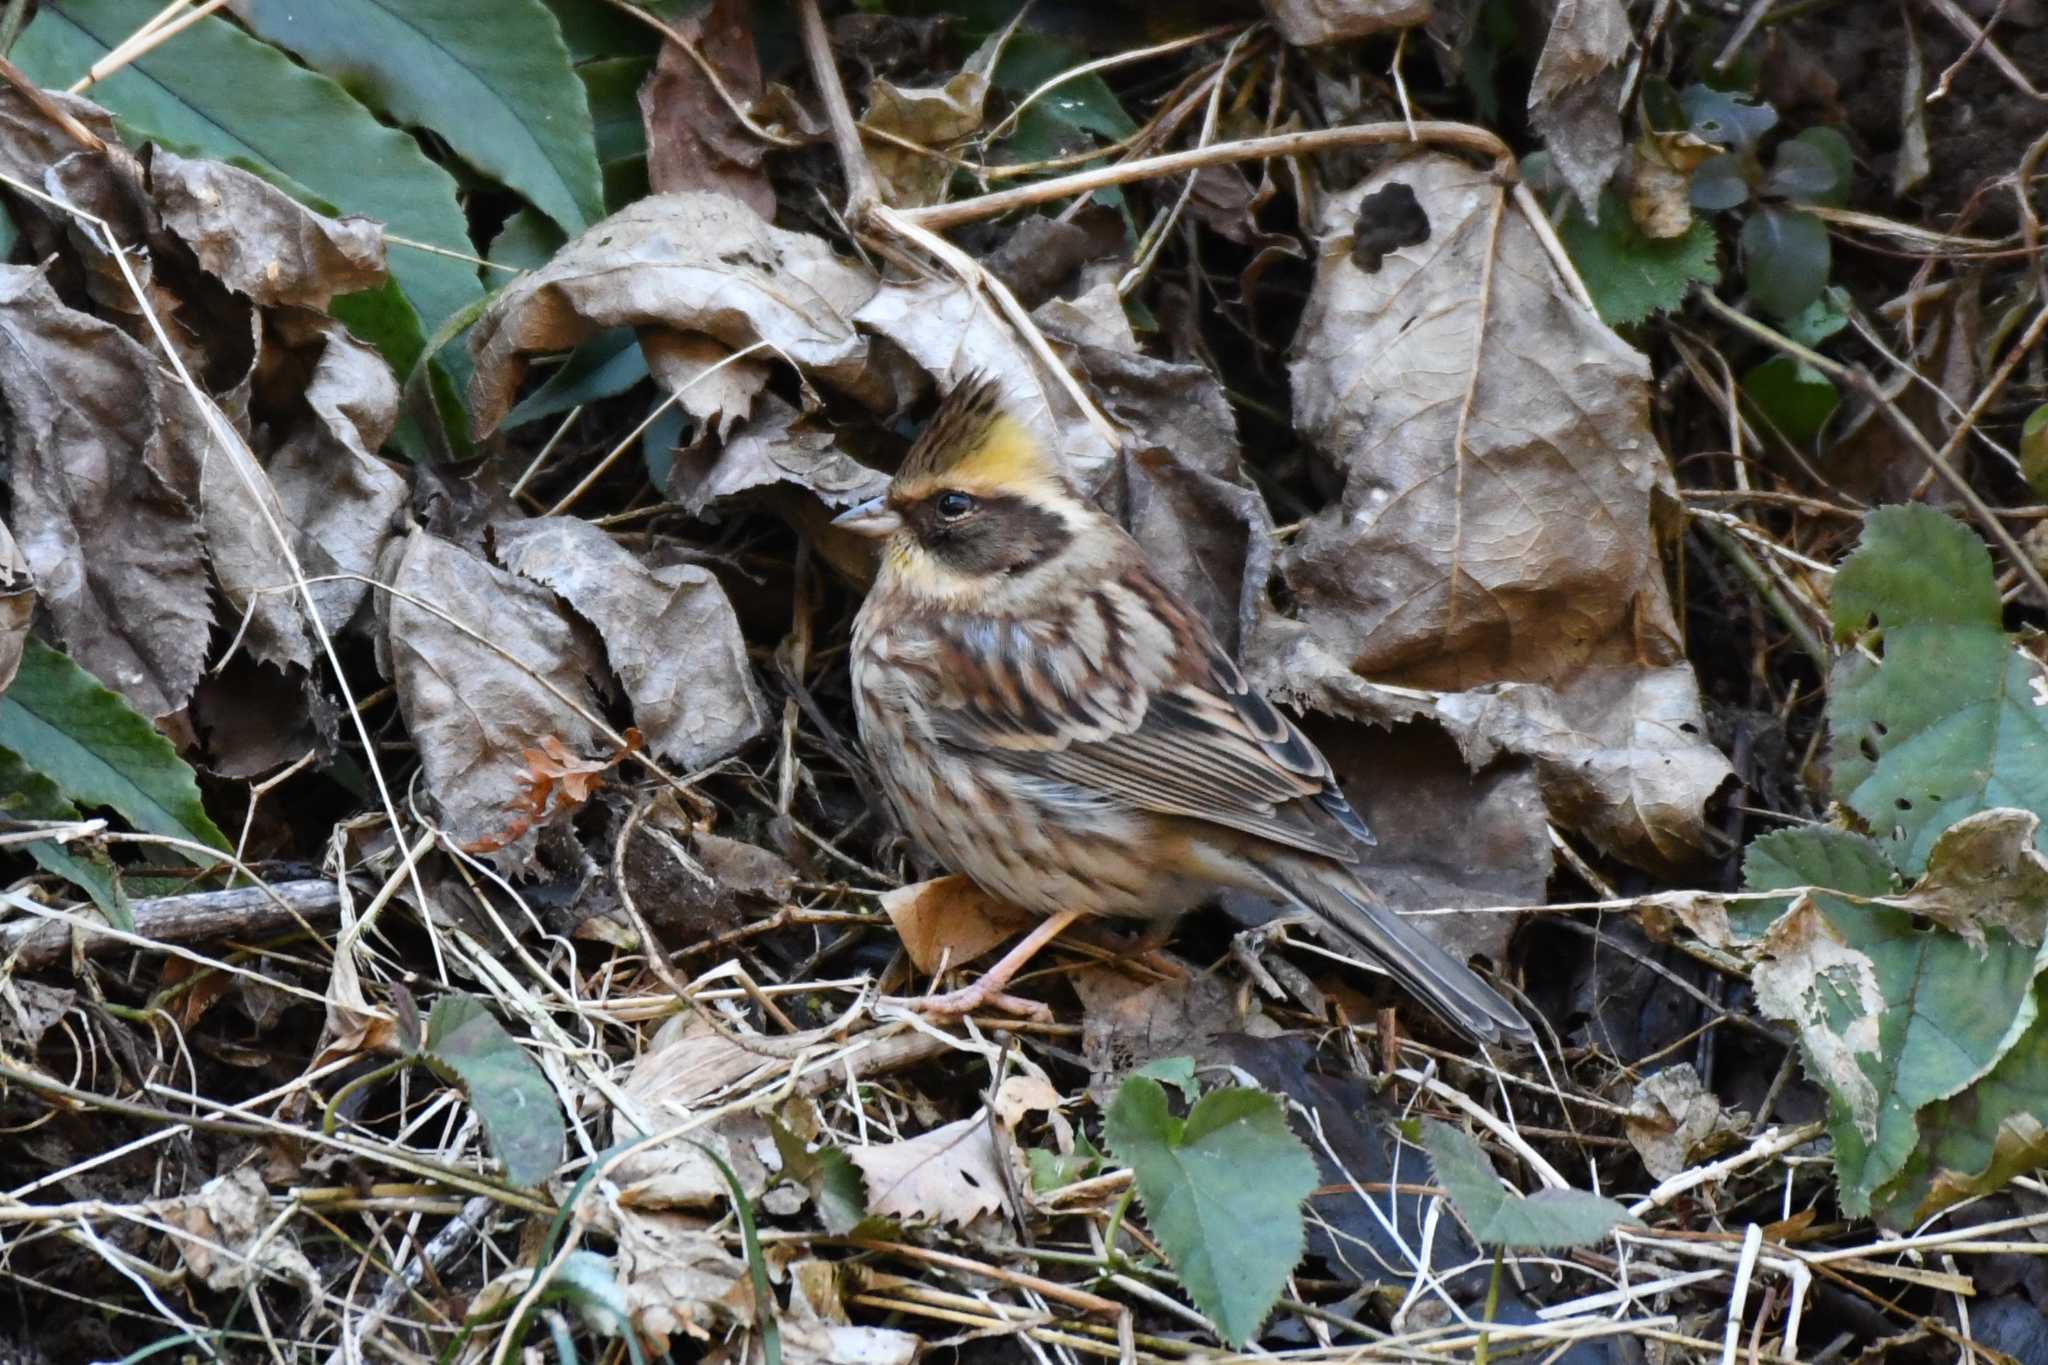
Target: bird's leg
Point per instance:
(988, 991)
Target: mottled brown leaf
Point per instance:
(1575, 93)
(670, 633)
(1311, 23)
(778, 445)
(258, 240)
(694, 139)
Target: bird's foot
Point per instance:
(982, 995)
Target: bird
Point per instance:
(1052, 721)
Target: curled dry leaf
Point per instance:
(678, 1278)
(777, 445)
(259, 241)
(1985, 872)
(486, 666)
(1674, 1121)
(1497, 524)
(1311, 23)
(694, 263)
(708, 381)
(114, 546)
(952, 1174)
(227, 1236)
(949, 921)
(695, 140)
(1574, 96)
(670, 633)
(932, 116)
(953, 331)
(245, 527)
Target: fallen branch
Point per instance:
(190, 918)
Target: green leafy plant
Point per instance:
(1222, 1192)
(1919, 1008)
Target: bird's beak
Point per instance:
(873, 518)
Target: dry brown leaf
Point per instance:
(712, 385)
(259, 241)
(693, 263)
(1020, 1095)
(1530, 558)
(777, 445)
(933, 116)
(115, 549)
(1311, 23)
(950, 1175)
(694, 139)
(245, 525)
(1575, 93)
(227, 1239)
(951, 921)
(678, 1279)
(1985, 872)
(670, 634)
(1674, 1122)
(817, 1330)
(17, 605)
(471, 710)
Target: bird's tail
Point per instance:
(1448, 986)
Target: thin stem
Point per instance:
(862, 193)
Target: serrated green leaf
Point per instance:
(1891, 1016)
(98, 751)
(1811, 856)
(1948, 720)
(1222, 1193)
(1178, 1072)
(1793, 396)
(501, 93)
(1785, 258)
(522, 1118)
(214, 91)
(1507, 1219)
(1052, 1170)
(1632, 275)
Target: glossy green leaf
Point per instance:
(26, 794)
(1940, 716)
(1222, 1192)
(1507, 1219)
(98, 751)
(501, 93)
(1793, 396)
(1785, 257)
(522, 1118)
(603, 367)
(214, 91)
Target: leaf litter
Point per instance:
(564, 727)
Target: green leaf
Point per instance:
(500, 93)
(26, 794)
(2034, 450)
(214, 91)
(1812, 856)
(98, 751)
(1178, 1072)
(1793, 396)
(1507, 1219)
(1222, 1192)
(1785, 256)
(1632, 275)
(585, 1280)
(1803, 172)
(592, 28)
(1891, 1016)
(1820, 319)
(1724, 118)
(522, 1118)
(1834, 149)
(1719, 182)
(1947, 720)
(526, 242)
(603, 367)
(613, 89)
(835, 1184)
(1053, 1170)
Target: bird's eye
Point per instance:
(953, 506)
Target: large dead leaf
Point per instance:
(694, 139)
(669, 631)
(953, 1174)
(245, 529)
(953, 332)
(1574, 97)
(340, 499)
(1524, 552)
(474, 708)
(694, 263)
(259, 241)
(92, 425)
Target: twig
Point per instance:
(177, 919)
(862, 192)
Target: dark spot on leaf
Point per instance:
(1867, 749)
(1903, 804)
(1881, 728)
(1688, 728)
(1388, 219)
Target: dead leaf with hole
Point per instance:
(1521, 571)
(115, 549)
(695, 140)
(1574, 96)
(949, 921)
(669, 632)
(1674, 1122)
(486, 666)
(693, 263)
(953, 331)
(952, 1174)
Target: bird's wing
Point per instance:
(1127, 694)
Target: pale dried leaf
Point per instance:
(953, 332)
(709, 382)
(778, 445)
(1575, 93)
(932, 116)
(1985, 872)
(1311, 23)
(245, 525)
(678, 1278)
(228, 1241)
(258, 240)
(669, 632)
(1022, 1094)
(950, 1175)
(17, 605)
(693, 263)
(694, 139)
(474, 708)
(94, 430)
(950, 921)
(1674, 1122)
(1812, 978)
